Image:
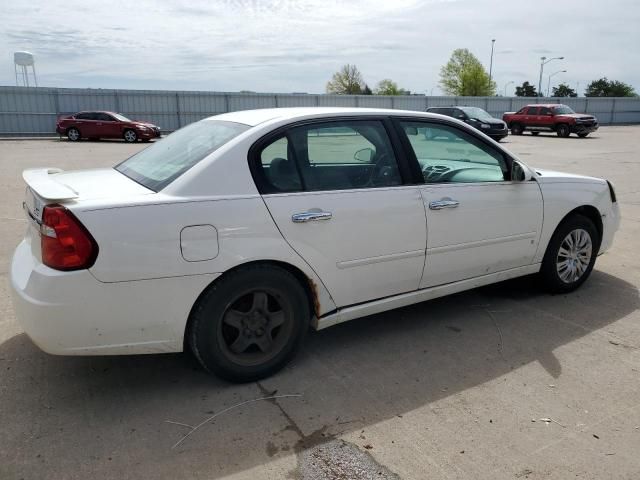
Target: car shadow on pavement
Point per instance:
(106, 417)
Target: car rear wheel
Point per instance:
(250, 323)
(517, 129)
(570, 255)
(563, 130)
(130, 136)
(73, 134)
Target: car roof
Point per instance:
(548, 105)
(256, 117)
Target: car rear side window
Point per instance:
(157, 166)
(532, 111)
(336, 155)
(279, 167)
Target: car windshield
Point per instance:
(120, 117)
(563, 110)
(475, 112)
(164, 161)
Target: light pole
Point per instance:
(549, 80)
(505, 87)
(543, 62)
(493, 41)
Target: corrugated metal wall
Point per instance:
(33, 111)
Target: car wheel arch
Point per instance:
(589, 211)
(308, 284)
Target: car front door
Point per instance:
(337, 193)
(479, 222)
(107, 126)
(533, 118)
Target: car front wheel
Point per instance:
(517, 129)
(250, 323)
(73, 134)
(130, 136)
(570, 255)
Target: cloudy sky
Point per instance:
(296, 45)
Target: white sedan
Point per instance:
(235, 234)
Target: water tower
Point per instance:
(23, 60)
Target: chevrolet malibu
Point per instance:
(235, 234)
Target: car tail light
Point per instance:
(66, 243)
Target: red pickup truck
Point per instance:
(551, 118)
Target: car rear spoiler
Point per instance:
(42, 182)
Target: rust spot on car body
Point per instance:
(315, 300)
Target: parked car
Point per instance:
(235, 233)
(550, 118)
(477, 118)
(96, 125)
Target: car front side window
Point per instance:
(447, 154)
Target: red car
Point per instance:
(551, 118)
(96, 125)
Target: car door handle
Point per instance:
(444, 203)
(311, 216)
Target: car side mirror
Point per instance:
(411, 130)
(365, 155)
(520, 173)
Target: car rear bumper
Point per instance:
(72, 313)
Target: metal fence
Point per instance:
(33, 111)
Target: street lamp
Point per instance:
(493, 41)
(549, 81)
(543, 62)
(505, 87)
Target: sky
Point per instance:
(296, 45)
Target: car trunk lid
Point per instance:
(46, 186)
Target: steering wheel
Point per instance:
(434, 173)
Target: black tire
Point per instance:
(73, 134)
(219, 345)
(130, 136)
(535, 134)
(550, 275)
(516, 129)
(563, 130)
(583, 135)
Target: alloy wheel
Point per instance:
(255, 327)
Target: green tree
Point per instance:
(347, 81)
(464, 75)
(389, 87)
(526, 90)
(366, 90)
(564, 90)
(609, 88)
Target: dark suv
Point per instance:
(476, 117)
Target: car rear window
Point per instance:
(164, 161)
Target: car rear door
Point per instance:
(478, 221)
(336, 190)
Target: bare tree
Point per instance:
(347, 81)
